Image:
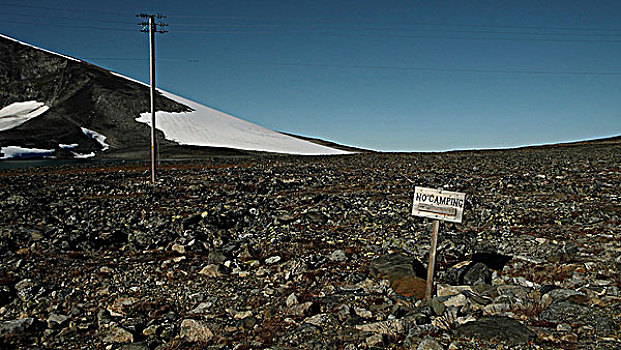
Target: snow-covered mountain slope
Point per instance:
(76, 96)
(205, 126)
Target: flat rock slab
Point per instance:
(566, 311)
(19, 326)
(501, 329)
(403, 273)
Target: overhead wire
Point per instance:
(376, 67)
(49, 8)
(578, 34)
(534, 33)
(68, 26)
(69, 18)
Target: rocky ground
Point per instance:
(314, 253)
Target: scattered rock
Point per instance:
(313, 252)
(498, 328)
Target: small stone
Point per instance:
(56, 320)
(202, 307)
(437, 306)
(338, 255)
(563, 327)
(195, 331)
(497, 308)
(458, 300)
(319, 320)
(151, 331)
(248, 322)
(477, 274)
(134, 346)
(117, 308)
(262, 272)
(273, 260)
(447, 290)
(362, 312)
(429, 344)
(178, 248)
(238, 315)
(301, 309)
(212, 271)
(391, 328)
(291, 300)
(116, 334)
(374, 340)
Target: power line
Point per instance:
(193, 60)
(66, 17)
(290, 32)
(68, 26)
(434, 24)
(386, 29)
(61, 9)
(402, 36)
(440, 69)
(380, 67)
(325, 20)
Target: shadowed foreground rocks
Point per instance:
(314, 253)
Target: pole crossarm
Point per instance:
(145, 24)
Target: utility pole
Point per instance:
(151, 28)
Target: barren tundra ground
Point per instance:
(314, 253)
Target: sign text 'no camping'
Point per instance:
(438, 204)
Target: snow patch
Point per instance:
(18, 113)
(16, 152)
(98, 137)
(71, 146)
(38, 48)
(205, 126)
(77, 155)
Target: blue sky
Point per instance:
(385, 75)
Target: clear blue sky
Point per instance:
(385, 75)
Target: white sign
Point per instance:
(438, 204)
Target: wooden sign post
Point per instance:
(438, 205)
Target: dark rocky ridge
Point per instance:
(80, 94)
(287, 252)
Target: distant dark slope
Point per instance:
(591, 142)
(78, 94)
(605, 140)
(330, 144)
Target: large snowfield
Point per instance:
(205, 126)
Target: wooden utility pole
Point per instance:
(152, 65)
(152, 29)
